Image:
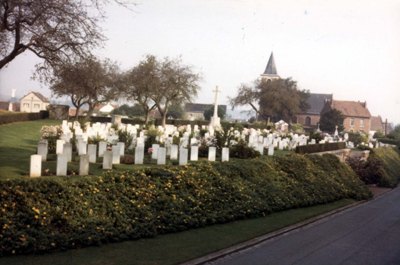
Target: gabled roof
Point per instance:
(37, 94)
(198, 107)
(351, 108)
(377, 124)
(316, 103)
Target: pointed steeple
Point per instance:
(270, 71)
(271, 67)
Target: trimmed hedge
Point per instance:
(316, 148)
(52, 213)
(22, 116)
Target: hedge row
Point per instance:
(52, 213)
(389, 141)
(316, 148)
(23, 116)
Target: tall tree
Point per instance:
(280, 99)
(54, 30)
(88, 81)
(272, 99)
(330, 119)
(247, 95)
(178, 84)
(141, 82)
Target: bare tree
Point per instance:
(178, 84)
(160, 84)
(88, 81)
(247, 95)
(141, 82)
(54, 30)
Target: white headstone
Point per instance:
(121, 148)
(68, 151)
(212, 150)
(59, 147)
(62, 162)
(42, 150)
(84, 165)
(183, 156)
(107, 159)
(174, 152)
(271, 150)
(35, 166)
(82, 147)
(92, 149)
(154, 153)
(261, 148)
(162, 154)
(194, 153)
(225, 154)
(115, 155)
(139, 154)
(102, 148)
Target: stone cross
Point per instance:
(215, 121)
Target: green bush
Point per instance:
(52, 213)
(316, 148)
(22, 116)
(242, 150)
(382, 167)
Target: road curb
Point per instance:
(252, 242)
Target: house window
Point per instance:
(36, 106)
(361, 123)
(26, 105)
(352, 123)
(308, 121)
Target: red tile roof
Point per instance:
(377, 124)
(351, 108)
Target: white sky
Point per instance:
(350, 49)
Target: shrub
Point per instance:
(128, 159)
(316, 148)
(242, 150)
(48, 213)
(51, 134)
(382, 167)
(125, 137)
(357, 138)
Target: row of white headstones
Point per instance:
(88, 153)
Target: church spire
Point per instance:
(271, 67)
(270, 71)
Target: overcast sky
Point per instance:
(350, 49)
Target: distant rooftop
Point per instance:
(316, 102)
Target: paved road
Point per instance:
(366, 234)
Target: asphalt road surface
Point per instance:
(363, 235)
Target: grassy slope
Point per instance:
(391, 164)
(17, 142)
(178, 247)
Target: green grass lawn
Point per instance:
(18, 141)
(179, 247)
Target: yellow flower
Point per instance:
(36, 210)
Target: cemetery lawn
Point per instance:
(178, 247)
(18, 141)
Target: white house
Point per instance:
(33, 102)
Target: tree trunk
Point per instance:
(164, 119)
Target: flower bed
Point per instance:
(45, 214)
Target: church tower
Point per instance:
(270, 72)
